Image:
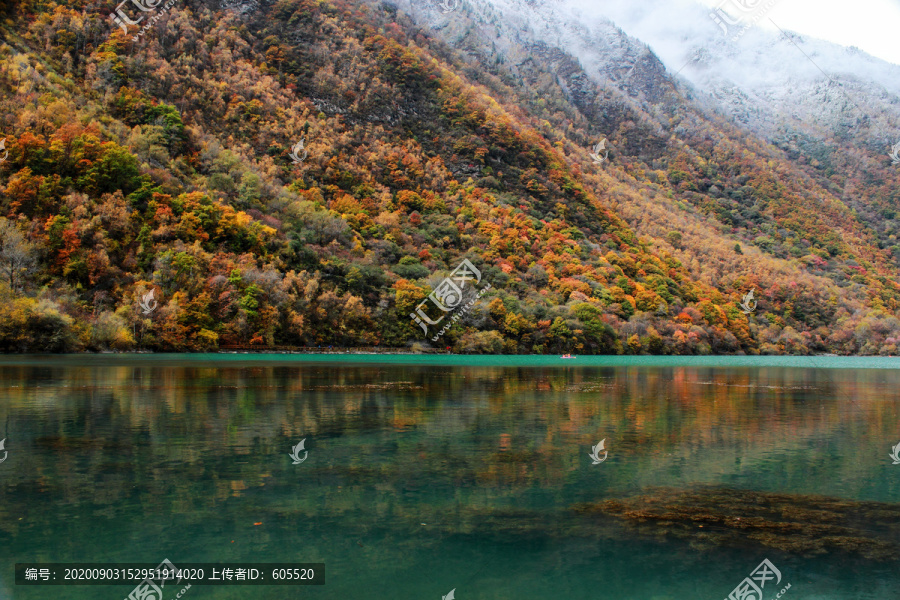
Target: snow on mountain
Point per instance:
(768, 80)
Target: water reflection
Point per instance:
(420, 479)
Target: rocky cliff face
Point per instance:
(766, 79)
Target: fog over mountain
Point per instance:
(765, 79)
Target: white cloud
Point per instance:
(871, 25)
(676, 29)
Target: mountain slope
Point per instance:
(164, 164)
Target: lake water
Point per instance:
(432, 473)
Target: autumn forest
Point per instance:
(149, 199)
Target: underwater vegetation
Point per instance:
(804, 525)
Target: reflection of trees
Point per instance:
(439, 445)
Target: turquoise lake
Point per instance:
(427, 474)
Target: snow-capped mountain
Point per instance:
(769, 80)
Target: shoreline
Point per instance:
(217, 359)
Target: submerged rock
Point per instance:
(794, 523)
